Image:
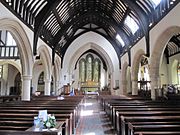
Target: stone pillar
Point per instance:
(134, 87)
(124, 87)
(154, 85)
(26, 87)
(57, 88)
(47, 88)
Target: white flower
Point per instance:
(48, 124)
(52, 117)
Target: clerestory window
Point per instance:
(120, 40)
(155, 2)
(132, 25)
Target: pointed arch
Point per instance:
(23, 44)
(135, 64)
(160, 44)
(46, 60)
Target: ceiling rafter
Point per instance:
(80, 18)
(57, 21)
(40, 19)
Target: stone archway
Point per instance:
(25, 51)
(91, 40)
(156, 57)
(46, 61)
(10, 69)
(135, 69)
(104, 55)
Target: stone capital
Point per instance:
(26, 77)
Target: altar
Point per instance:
(90, 86)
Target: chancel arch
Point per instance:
(95, 42)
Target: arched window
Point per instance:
(82, 71)
(89, 72)
(41, 79)
(178, 72)
(96, 70)
(89, 67)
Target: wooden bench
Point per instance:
(123, 127)
(157, 133)
(137, 109)
(150, 128)
(19, 115)
(9, 98)
(113, 116)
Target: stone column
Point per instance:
(56, 88)
(26, 87)
(47, 88)
(134, 87)
(154, 85)
(124, 87)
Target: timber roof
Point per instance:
(60, 22)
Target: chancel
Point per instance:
(98, 67)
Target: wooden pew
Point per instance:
(54, 110)
(150, 128)
(147, 111)
(123, 128)
(25, 111)
(9, 98)
(157, 133)
(5, 132)
(28, 119)
(139, 108)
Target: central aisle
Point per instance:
(93, 120)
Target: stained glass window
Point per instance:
(130, 22)
(89, 62)
(82, 70)
(96, 73)
(179, 72)
(1, 71)
(90, 70)
(155, 2)
(118, 37)
(41, 79)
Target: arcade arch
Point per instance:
(25, 51)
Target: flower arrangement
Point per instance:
(50, 122)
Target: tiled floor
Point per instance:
(93, 120)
